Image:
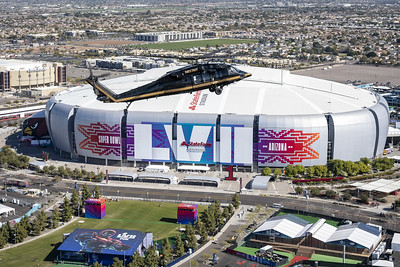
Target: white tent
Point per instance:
(6, 211)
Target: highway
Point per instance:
(300, 205)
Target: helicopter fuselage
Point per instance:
(212, 76)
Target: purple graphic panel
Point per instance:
(130, 140)
(286, 146)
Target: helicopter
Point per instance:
(212, 76)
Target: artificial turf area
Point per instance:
(159, 218)
(199, 43)
(319, 257)
(312, 219)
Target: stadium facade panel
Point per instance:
(272, 119)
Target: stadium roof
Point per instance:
(357, 234)
(16, 64)
(272, 92)
(118, 242)
(381, 185)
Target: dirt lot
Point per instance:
(363, 73)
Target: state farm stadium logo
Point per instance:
(286, 146)
(196, 146)
(196, 101)
(101, 138)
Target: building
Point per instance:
(16, 75)
(91, 245)
(295, 234)
(273, 118)
(167, 36)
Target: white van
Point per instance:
(277, 205)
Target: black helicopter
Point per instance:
(213, 76)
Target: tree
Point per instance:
(55, 218)
(151, 257)
(226, 213)
(190, 237)
(330, 193)
(396, 205)
(179, 248)
(266, 171)
(235, 200)
(8, 230)
(137, 260)
(96, 192)
(364, 198)
(315, 191)
(117, 262)
(97, 264)
(347, 195)
(209, 220)
(203, 233)
(366, 161)
(290, 171)
(36, 227)
(3, 237)
(230, 209)
(311, 171)
(277, 172)
(300, 169)
(67, 212)
(166, 252)
(321, 170)
(299, 190)
(20, 233)
(42, 220)
(336, 166)
(85, 193)
(75, 201)
(25, 222)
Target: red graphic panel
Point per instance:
(101, 139)
(286, 146)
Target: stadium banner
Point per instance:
(95, 137)
(195, 143)
(150, 141)
(292, 141)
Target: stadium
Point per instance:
(273, 118)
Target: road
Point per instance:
(300, 205)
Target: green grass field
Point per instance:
(198, 43)
(159, 218)
(319, 257)
(312, 219)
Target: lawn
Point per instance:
(247, 250)
(198, 43)
(312, 219)
(159, 218)
(319, 257)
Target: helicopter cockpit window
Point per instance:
(197, 79)
(232, 70)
